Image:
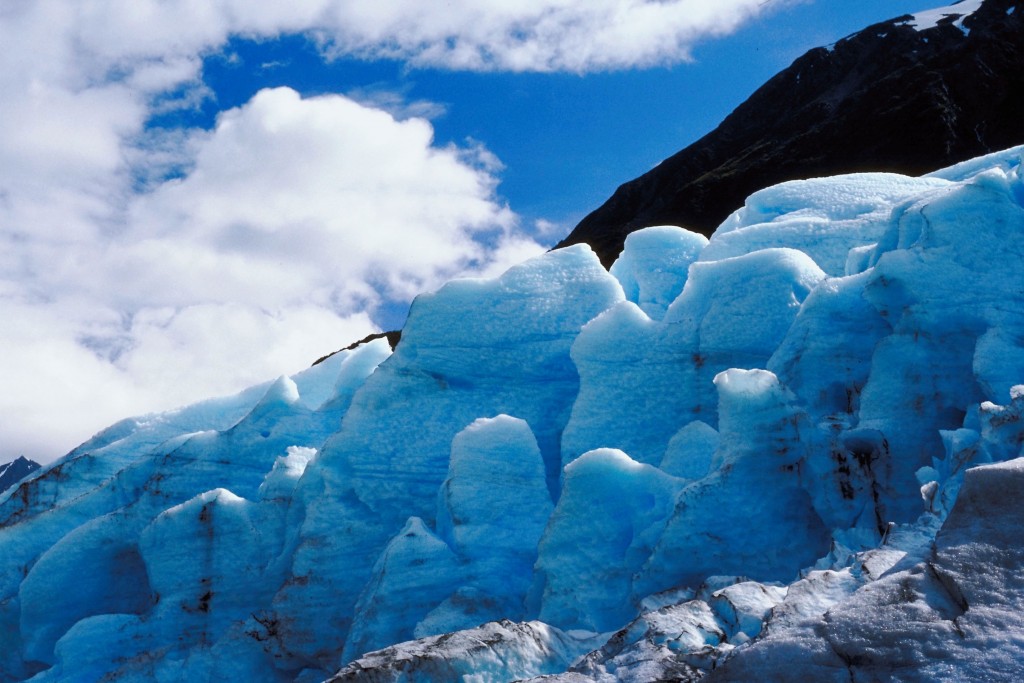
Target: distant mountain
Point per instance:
(15, 471)
(905, 95)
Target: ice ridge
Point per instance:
(784, 453)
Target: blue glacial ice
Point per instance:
(797, 444)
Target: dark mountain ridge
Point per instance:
(888, 98)
(13, 472)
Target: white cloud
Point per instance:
(396, 102)
(239, 342)
(288, 195)
(73, 366)
(296, 216)
(122, 292)
(533, 35)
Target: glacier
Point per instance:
(790, 452)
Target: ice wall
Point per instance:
(797, 402)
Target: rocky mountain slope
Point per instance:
(904, 96)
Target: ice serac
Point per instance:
(205, 559)
(825, 360)
(75, 572)
(653, 266)
(751, 515)
(738, 310)
(823, 217)
(927, 284)
(492, 509)
(642, 380)
(116, 582)
(478, 567)
(415, 573)
(197, 573)
(475, 348)
(609, 517)
(690, 451)
(825, 357)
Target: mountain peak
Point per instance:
(16, 470)
(908, 95)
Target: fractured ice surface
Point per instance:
(641, 380)
(491, 653)
(792, 452)
(956, 614)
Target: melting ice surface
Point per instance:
(792, 452)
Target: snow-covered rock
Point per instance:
(495, 652)
(956, 614)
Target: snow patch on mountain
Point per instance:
(958, 11)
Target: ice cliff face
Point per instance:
(792, 452)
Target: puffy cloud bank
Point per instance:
(534, 35)
(143, 268)
(295, 218)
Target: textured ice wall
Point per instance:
(475, 348)
(770, 404)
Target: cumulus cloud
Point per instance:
(141, 269)
(295, 218)
(533, 35)
(73, 366)
(519, 35)
(291, 189)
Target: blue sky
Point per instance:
(566, 140)
(195, 197)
